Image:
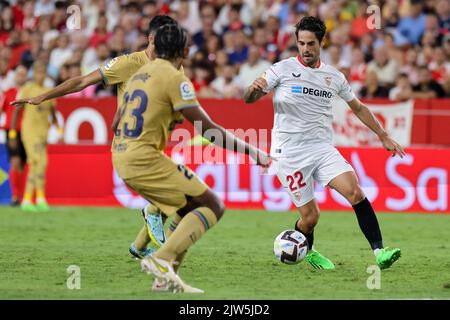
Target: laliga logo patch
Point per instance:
(187, 92)
(111, 63)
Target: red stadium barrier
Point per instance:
(88, 120)
(83, 175)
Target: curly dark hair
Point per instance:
(312, 24)
(170, 41)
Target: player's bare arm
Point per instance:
(197, 115)
(69, 86)
(256, 90)
(368, 118)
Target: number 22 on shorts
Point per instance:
(295, 181)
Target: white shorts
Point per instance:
(321, 163)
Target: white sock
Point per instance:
(376, 252)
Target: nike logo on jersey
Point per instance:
(296, 75)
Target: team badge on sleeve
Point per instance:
(111, 63)
(187, 92)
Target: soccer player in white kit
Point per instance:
(303, 89)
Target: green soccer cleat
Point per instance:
(28, 207)
(318, 261)
(386, 257)
(42, 205)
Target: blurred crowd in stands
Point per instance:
(234, 41)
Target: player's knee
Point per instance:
(356, 195)
(218, 207)
(210, 200)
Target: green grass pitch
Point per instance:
(232, 261)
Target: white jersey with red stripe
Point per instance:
(303, 103)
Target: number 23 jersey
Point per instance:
(150, 109)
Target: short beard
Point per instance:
(313, 62)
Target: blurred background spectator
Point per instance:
(402, 89)
(234, 41)
(373, 89)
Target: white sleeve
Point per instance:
(272, 76)
(346, 91)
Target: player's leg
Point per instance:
(41, 168)
(297, 179)
(200, 214)
(310, 214)
(17, 161)
(172, 226)
(139, 247)
(152, 231)
(23, 161)
(15, 172)
(170, 187)
(27, 204)
(347, 185)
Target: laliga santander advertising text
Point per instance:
(416, 183)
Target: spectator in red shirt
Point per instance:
(16, 152)
(101, 34)
(359, 24)
(203, 74)
(17, 48)
(440, 66)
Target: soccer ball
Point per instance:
(290, 246)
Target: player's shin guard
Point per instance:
(309, 237)
(189, 231)
(368, 223)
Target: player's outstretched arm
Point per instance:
(202, 122)
(256, 90)
(71, 85)
(368, 118)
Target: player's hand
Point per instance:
(20, 102)
(392, 146)
(261, 158)
(60, 133)
(260, 84)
